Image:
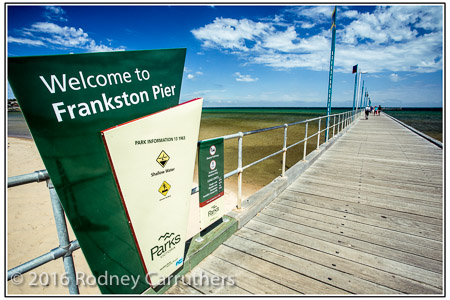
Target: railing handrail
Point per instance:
(236, 135)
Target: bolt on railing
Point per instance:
(66, 247)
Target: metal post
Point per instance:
(354, 92)
(318, 135)
(339, 124)
(330, 77)
(343, 121)
(306, 141)
(334, 123)
(240, 170)
(362, 94)
(283, 170)
(63, 237)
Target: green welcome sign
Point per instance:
(67, 100)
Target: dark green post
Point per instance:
(330, 80)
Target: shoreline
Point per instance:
(31, 230)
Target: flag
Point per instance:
(333, 18)
(355, 69)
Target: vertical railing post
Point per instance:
(327, 130)
(318, 135)
(63, 237)
(343, 121)
(240, 170)
(306, 141)
(283, 170)
(339, 124)
(334, 123)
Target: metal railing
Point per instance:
(343, 120)
(66, 247)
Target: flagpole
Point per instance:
(330, 80)
(362, 95)
(355, 70)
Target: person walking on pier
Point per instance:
(367, 111)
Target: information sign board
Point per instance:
(153, 160)
(211, 181)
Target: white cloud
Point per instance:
(229, 33)
(25, 41)
(55, 13)
(319, 14)
(351, 14)
(190, 76)
(306, 25)
(391, 38)
(244, 78)
(49, 34)
(394, 77)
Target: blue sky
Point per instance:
(257, 55)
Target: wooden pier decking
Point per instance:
(365, 218)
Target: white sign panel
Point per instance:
(153, 160)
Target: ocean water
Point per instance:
(428, 121)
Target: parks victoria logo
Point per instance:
(214, 209)
(167, 243)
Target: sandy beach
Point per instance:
(31, 230)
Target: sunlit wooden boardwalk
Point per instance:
(366, 218)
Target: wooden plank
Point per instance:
(243, 278)
(323, 223)
(356, 222)
(412, 209)
(331, 166)
(375, 193)
(350, 162)
(209, 283)
(280, 275)
(402, 192)
(391, 218)
(356, 178)
(319, 272)
(387, 265)
(357, 269)
(371, 248)
(181, 288)
(372, 174)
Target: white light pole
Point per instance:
(359, 85)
